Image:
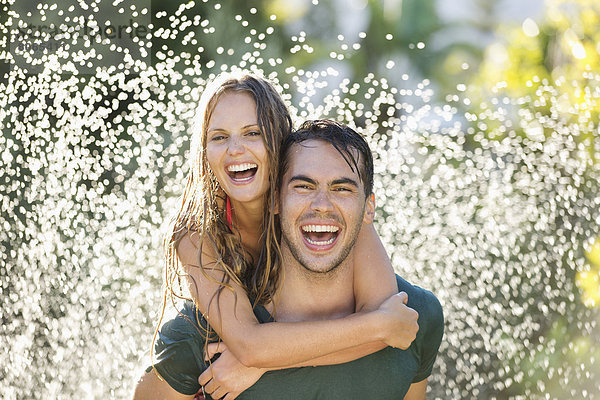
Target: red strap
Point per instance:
(229, 212)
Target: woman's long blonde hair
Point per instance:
(202, 202)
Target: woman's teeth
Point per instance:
(241, 167)
(242, 172)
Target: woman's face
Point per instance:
(235, 148)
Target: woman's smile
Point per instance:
(242, 173)
(236, 150)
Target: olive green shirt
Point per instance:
(386, 374)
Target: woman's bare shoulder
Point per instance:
(188, 250)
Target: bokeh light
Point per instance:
(490, 200)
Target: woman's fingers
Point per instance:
(403, 297)
(214, 348)
(402, 321)
(205, 377)
(211, 387)
(218, 393)
(231, 396)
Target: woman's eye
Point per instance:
(253, 133)
(216, 138)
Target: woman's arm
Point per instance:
(228, 376)
(374, 276)
(283, 344)
(374, 282)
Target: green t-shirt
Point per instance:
(386, 374)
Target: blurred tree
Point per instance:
(561, 50)
(544, 76)
(358, 36)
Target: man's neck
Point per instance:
(306, 295)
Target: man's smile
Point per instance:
(319, 237)
(322, 206)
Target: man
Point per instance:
(325, 180)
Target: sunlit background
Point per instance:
(483, 116)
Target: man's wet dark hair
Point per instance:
(343, 138)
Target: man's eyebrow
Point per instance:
(302, 178)
(340, 181)
(345, 181)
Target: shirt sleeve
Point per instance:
(178, 351)
(431, 321)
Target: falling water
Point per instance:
(494, 208)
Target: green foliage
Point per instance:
(551, 68)
(560, 52)
(488, 198)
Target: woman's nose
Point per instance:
(235, 146)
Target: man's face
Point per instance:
(322, 206)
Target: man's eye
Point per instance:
(301, 187)
(342, 189)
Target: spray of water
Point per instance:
(494, 208)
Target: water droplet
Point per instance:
(530, 28)
(493, 206)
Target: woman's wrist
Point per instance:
(380, 325)
(374, 325)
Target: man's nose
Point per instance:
(321, 202)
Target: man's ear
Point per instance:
(369, 209)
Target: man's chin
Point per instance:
(321, 265)
(321, 268)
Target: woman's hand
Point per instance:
(226, 378)
(400, 321)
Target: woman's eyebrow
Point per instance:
(211, 130)
(217, 129)
(251, 126)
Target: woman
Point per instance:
(225, 240)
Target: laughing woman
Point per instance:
(224, 241)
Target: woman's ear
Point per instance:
(369, 209)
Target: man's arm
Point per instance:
(417, 391)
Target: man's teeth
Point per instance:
(320, 228)
(241, 167)
(320, 243)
